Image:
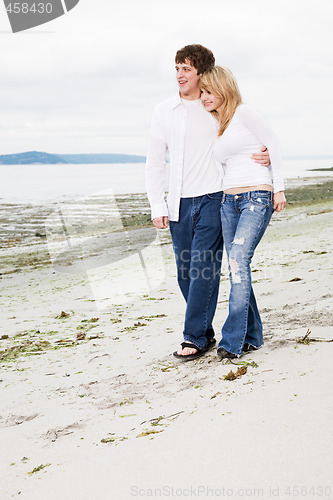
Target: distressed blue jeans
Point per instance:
(245, 218)
(197, 243)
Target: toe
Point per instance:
(188, 350)
(180, 350)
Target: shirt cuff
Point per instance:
(159, 210)
(279, 187)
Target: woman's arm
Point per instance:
(259, 127)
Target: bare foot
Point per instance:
(186, 351)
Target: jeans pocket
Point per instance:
(262, 200)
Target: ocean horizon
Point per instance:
(55, 183)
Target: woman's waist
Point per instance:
(245, 189)
(248, 195)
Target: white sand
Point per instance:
(254, 437)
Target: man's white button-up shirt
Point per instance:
(167, 135)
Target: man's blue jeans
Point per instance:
(245, 218)
(197, 243)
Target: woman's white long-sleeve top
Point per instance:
(245, 134)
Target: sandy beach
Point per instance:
(94, 405)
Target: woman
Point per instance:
(250, 195)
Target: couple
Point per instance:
(214, 142)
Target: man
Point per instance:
(182, 127)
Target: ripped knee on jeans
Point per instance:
(234, 268)
(239, 241)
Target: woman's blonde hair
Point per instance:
(221, 83)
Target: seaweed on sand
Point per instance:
(239, 373)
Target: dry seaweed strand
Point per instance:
(156, 420)
(37, 469)
(241, 363)
(147, 432)
(306, 340)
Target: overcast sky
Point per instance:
(88, 81)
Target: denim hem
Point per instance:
(254, 346)
(228, 350)
(187, 338)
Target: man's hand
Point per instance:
(262, 158)
(279, 201)
(161, 222)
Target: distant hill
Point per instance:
(37, 157)
(31, 157)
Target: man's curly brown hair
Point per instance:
(200, 57)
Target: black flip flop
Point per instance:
(198, 354)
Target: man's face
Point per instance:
(187, 79)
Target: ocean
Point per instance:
(37, 184)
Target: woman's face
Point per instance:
(210, 101)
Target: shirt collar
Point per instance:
(176, 101)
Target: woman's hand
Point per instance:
(279, 201)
